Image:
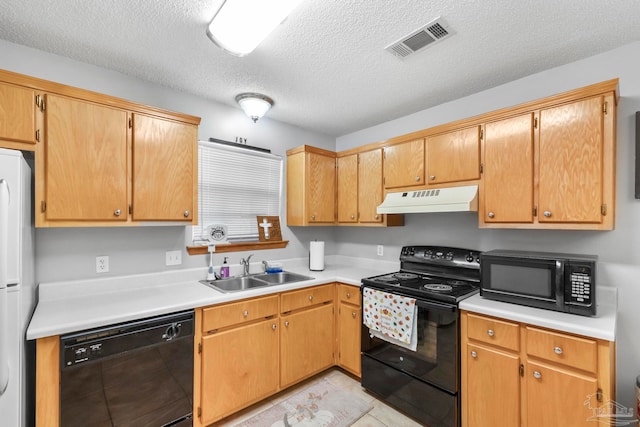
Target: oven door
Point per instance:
(436, 360)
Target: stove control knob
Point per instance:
(412, 251)
(428, 253)
(469, 257)
(404, 251)
(439, 255)
(450, 256)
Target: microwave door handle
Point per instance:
(559, 279)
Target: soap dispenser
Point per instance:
(224, 270)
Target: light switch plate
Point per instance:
(380, 250)
(173, 258)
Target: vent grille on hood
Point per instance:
(429, 34)
(450, 199)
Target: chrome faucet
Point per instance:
(245, 263)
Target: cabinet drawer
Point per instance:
(349, 294)
(238, 312)
(580, 353)
(306, 297)
(493, 331)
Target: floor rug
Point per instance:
(320, 405)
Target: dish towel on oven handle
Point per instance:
(391, 317)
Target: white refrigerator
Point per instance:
(17, 291)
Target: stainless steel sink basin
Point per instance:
(242, 283)
(282, 277)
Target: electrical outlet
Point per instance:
(102, 264)
(173, 258)
(380, 250)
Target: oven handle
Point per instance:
(431, 305)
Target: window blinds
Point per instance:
(234, 186)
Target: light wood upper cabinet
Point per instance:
(311, 186)
(17, 116)
(370, 185)
(453, 156)
(571, 162)
(164, 169)
(506, 194)
(404, 164)
(348, 189)
(86, 162)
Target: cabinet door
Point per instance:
(571, 162)
(164, 169)
(370, 185)
(507, 187)
(239, 367)
(17, 114)
(321, 188)
(404, 164)
(86, 161)
(348, 188)
(453, 156)
(349, 325)
(559, 397)
(493, 388)
(306, 346)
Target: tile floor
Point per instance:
(381, 415)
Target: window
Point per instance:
(236, 184)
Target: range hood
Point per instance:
(450, 199)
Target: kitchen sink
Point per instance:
(282, 277)
(242, 283)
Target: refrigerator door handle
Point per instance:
(4, 318)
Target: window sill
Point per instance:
(238, 247)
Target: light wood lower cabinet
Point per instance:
(349, 323)
(521, 375)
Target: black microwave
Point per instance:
(553, 281)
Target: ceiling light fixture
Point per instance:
(241, 25)
(254, 105)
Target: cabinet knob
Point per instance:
(246, 313)
(417, 178)
(537, 375)
(490, 332)
(353, 314)
(491, 214)
(348, 294)
(286, 323)
(186, 213)
(313, 217)
(376, 217)
(310, 297)
(273, 326)
(547, 214)
(117, 212)
(557, 350)
(474, 354)
(432, 177)
(353, 216)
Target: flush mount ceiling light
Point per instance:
(240, 25)
(254, 105)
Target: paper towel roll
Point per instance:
(316, 256)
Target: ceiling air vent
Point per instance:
(427, 35)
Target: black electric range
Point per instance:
(437, 273)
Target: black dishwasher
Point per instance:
(138, 373)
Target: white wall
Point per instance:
(618, 250)
(69, 253)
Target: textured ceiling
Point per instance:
(325, 66)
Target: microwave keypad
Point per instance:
(581, 287)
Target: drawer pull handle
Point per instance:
(246, 313)
(286, 323)
(273, 326)
(310, 297)
(474, 354)
(353, 314)
(537, 375)
(557, 350)
(490, 332)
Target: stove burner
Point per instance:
(405, 276)
(439, 287)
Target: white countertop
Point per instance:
(72, 306)
(602, 326)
